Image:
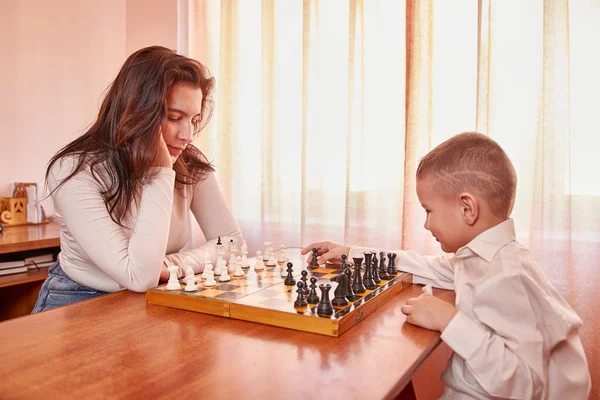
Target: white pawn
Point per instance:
(191, 284)
(282, 257)
(271, 262)
(189, 274)
(208, 268)
(266, 253)
(173, 283)
(210, 279)
(238, 267)
(260, 265)
(224, 276)
(245, 263)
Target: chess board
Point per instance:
(262, 297)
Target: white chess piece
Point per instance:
(271, 261)
(208, 267)
(191, 285)
(220, 250)
(207, 257)
(224, 276)
(260, 265)
(219, 265)
(189, 274)
(210, 279)
(428, 289)
(173, 283)
(231, 262)
(238, 267)
(245, 263)
(266, 253)
(282, 257)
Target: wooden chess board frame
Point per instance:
(261, 296)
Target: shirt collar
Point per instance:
(488, 242)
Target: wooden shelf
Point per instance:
(33, 275)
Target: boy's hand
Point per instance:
(327, 251)
(429, 312)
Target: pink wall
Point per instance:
(58, 57)
(150, 22)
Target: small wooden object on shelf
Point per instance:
(13, 211)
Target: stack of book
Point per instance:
(18, 266)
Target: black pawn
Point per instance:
(340, 291)
(304, 280)
(349, 292)
(313, 260)
(357, 285)
(368, 276)
(300, 301)
(382, 267)
(391, 269)
(324, 308)
(313, 298)
(289, 280)
(375, 272)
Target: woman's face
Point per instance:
(184, 105)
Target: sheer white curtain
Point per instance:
(324, 108)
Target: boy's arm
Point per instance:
(502, 347)
(436, 270)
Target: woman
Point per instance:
(122, 192)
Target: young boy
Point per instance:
(512, 334)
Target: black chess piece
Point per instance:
(357, 283)
(289, 280)
(340, 291)
(314, 264)
(375, 270)
(324, 308)
(219, 241)
(368, 275)
(382, 267)
(349, 292)
(300, 301)
(313, 298)
(304, 280)
(344, 262)
(391, 269)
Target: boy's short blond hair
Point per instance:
(472, 162)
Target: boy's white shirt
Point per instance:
(513, 336)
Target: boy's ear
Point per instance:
(470, 208)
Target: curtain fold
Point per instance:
(324, 108)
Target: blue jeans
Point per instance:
(59, 290)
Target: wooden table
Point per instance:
(29, 237)
(117, 346)
(18, 292)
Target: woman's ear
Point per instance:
(470, 208)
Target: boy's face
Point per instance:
(444, 216)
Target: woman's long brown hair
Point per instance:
(121, 145)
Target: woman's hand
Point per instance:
(163, 156)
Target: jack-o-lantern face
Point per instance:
(18, 206)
